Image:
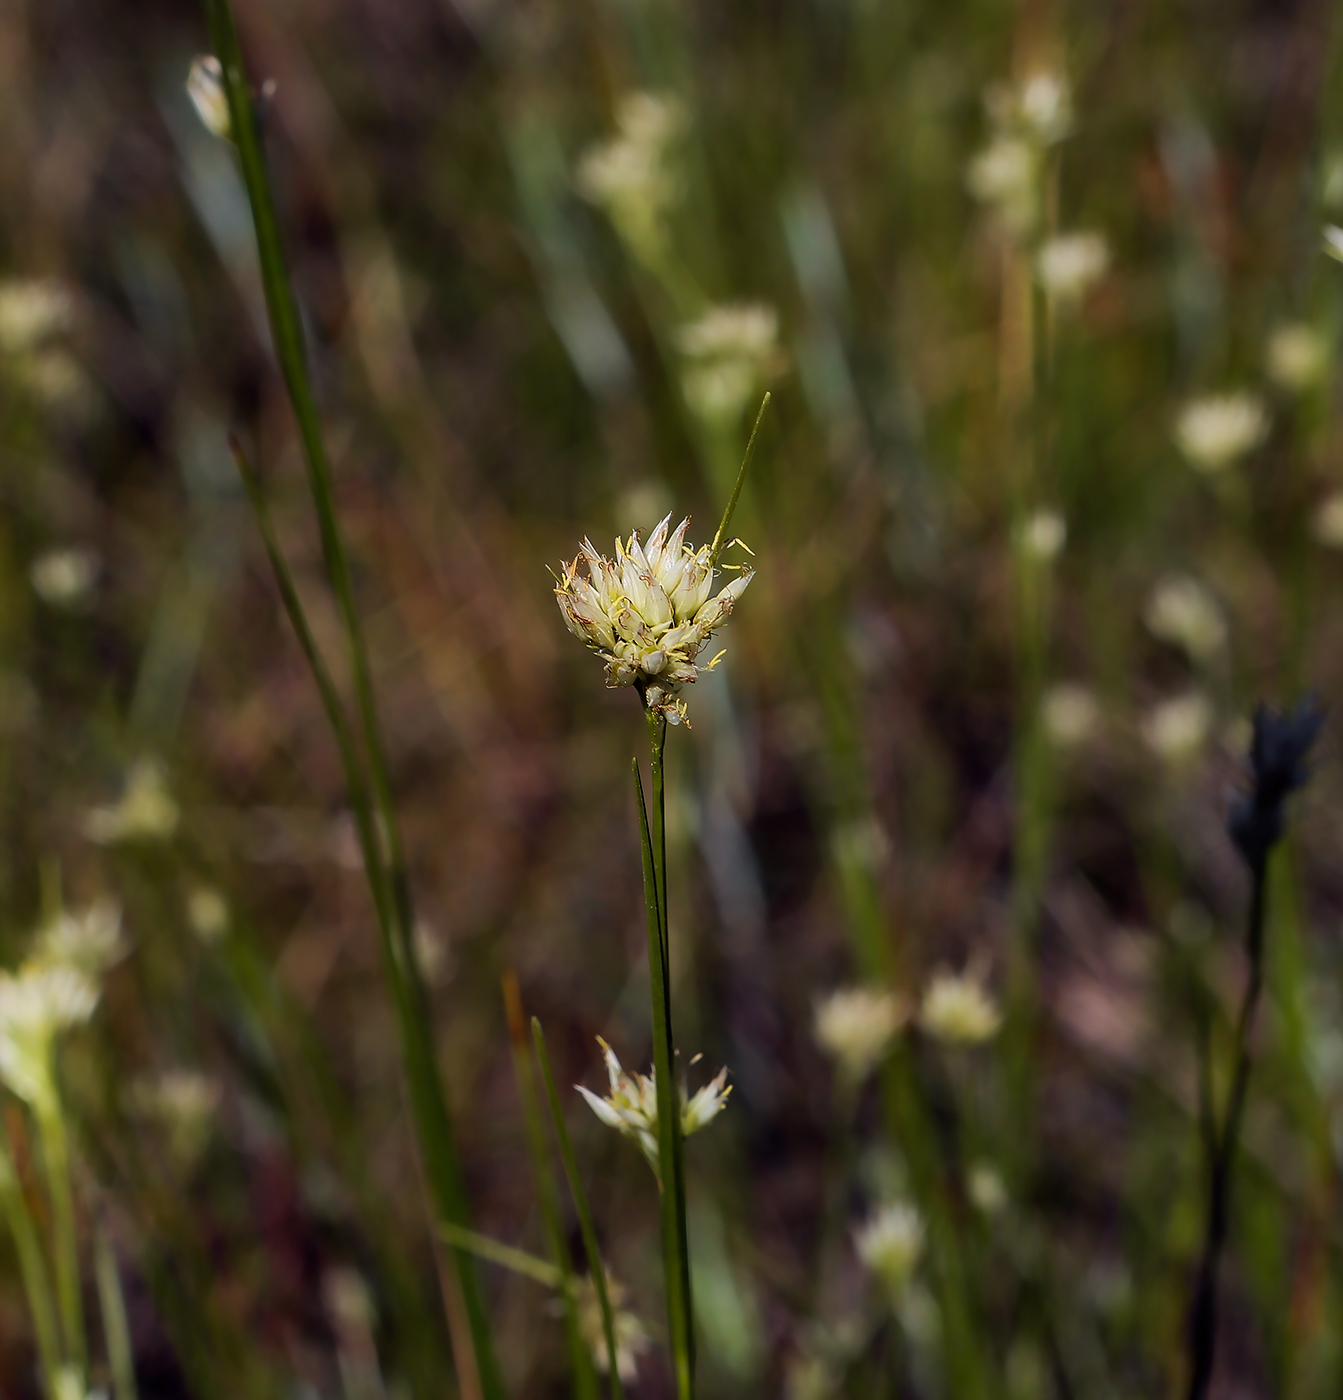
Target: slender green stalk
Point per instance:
(596, 1266)
(33, 1267)
(585, 1379)
(56, 1154)
(387, 878)
(518, 1260)
(720, 539)
(671, 1181)
(116, 1330)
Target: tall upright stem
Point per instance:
(671, 1160)
(1222, 1155)
(56, 1152)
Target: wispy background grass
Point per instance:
(878, 782)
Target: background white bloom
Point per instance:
(146, 810)
(729, 354)
(1070, 713)
(1212, 432)
(1005, 175)
(1296, 357)
(88, 939)
(1043, 535)
(205, 88)
(33, 311)
(855, 1027)
(633, 175)
(890, 1242)
(1070, 264)
(1180, 610)
(64, 578)
(1327, 526)
(958, 1008)
(37, 1004)
(1176, 729)
(631, 1336)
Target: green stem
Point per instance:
(585, 1379)
(720, 539)
(595, 1265)
(388, 880)
(56, 1154)
(33, 1267)
(115, 1327)
(671, 1179)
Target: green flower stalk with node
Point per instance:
(648, 614)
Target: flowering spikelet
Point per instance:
(36, 1004)
(959, 1009)
(889, 1243)
(648, 612)
(631, 1108)
(855, 1026)
(631, 1336)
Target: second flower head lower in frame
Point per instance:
(649, 612)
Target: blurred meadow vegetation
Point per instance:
(1049, 494)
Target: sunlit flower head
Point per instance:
(37, 1004)
(32, 312)
(631, 1106)
(64, 578)
(1213, 432)
(1296, 357)
(856, 1025)
(147, 810)
(890, 1242)
(957, 1008)
(205, 88)
(1176, 729)
(1181, 611)
(631, 1336)
(649, 612)
(88, 939)
(1070, 264)
(1070, 714)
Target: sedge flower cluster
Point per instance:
(648, 613)
(631, 1108)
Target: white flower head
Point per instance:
(88, 939)
(957, 1008)
(1005, 175)
(890, 1242)
(147, 810)
(986, 1188)
(1296, 357)
(1213, 432)
(32, 312)
(205, 88)
(183, 1102)
(729, 353)
(1176, 729)
(64, 578)
(631, 1107)
(649, 612)
(1039, 109)
(1333, 241)
(1070, 264)
(37, 1004)
(856, 1025)
(1071, 714)
(1181, 611)
(633, 175)
(1043, 535)
(1327, 526)
(631, 1336)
